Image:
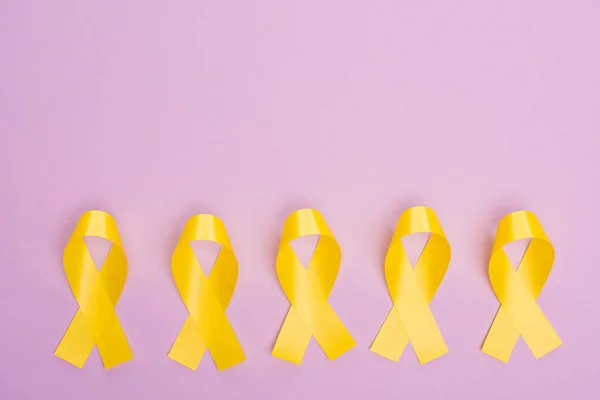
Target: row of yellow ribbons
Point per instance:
(307, 289)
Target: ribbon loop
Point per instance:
(97, 293)
(206, 299)
(308, 290)
(410, 318)
(517, 291)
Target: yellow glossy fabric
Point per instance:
(517, 291)
(310, 313)
(97, 293)
(411, 290)
(206, 298)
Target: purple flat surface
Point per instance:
(155, 110)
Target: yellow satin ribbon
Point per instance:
(310, 313)
(410, 318)
(517, 291)
(97, 293)
(206, 299)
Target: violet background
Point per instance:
(156, 110)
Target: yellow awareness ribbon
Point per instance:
(517, 291)
(97, 293)
(310, 313)
(410, 318)
(206, 298)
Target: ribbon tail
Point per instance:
(112, 344)
(77, 342)
(225, 348)
(535, 328)
(392, 338)
(330, 332)
(293, 338)
(189, 346)
(502, 337)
